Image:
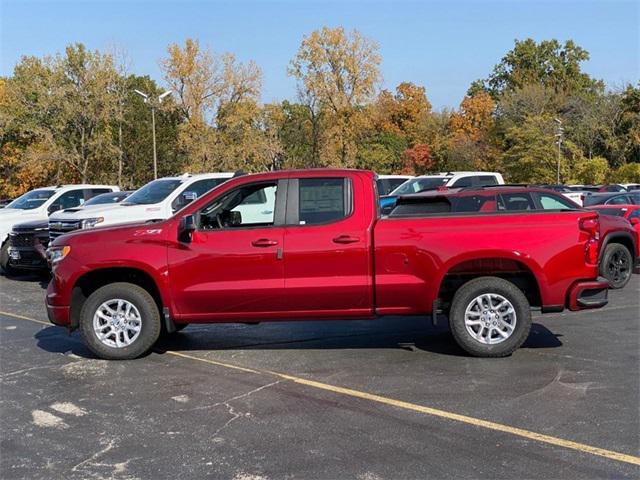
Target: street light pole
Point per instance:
(155, 154)
(559, 142)
(147, 99)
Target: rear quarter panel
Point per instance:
(414, 254)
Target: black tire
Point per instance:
(150, 321)
(6, 268)
(464, 298)
(616, 265)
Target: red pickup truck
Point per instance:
(317, 248)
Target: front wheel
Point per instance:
(120, 321)
(490, 317)
(5, 266)
(616, 265)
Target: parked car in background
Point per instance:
(631, 186)
(424, 183)
(387, 183)
(4, 202)
(325, 253)
(620, 242)
(613, 198)
(28, 241)
(577, 196)
(157, 200)
(38, 204)
(612, 188)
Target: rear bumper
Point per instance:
(589, 294)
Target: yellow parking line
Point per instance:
(434, 412)
(21, 317)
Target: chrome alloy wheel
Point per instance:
(117, 323)
(490, 318)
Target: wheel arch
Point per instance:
(91, 281)
(514, 270)
(623, 238)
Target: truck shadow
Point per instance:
(42, 277)
(409, 334)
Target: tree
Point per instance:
(404, 113)
(547, 63)
(418, 159)
(531, 153)
(339, 72)
(594, 171)
(629, 173)
(206, 83)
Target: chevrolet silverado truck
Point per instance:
(325, 252)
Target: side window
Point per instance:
(322, 200)
(618, 200)
(463, 182)
(553, 202)
(483, 180)
(89, 193)
(70, 199)
(193, 191)
(515, 202)
(475, 203)
(237, 208)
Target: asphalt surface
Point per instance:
(187, 411)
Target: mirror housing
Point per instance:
(189, 196)
(186, 228)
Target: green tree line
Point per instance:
(74, 117)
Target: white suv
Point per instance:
(157, 200)
(40, 203)
(448, 179)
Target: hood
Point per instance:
(32, 225)
(84, 212)
(122, 230)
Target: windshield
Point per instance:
(106, 198)
(153, 192)
(31, 200)
(419, 184)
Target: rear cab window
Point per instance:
(322, 200)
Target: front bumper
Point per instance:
(28, 258)
(58, 314)
(589, 294)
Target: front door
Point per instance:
(233, 266)
(327, 248)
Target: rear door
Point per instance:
(327, 247)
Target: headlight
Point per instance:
(56, 254)
(91, 222)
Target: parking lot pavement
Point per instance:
(358, 399)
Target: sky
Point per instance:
(443, 46)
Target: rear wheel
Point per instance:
(616, 265)
(490, 317)
(120, 321)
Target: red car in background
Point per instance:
(620, 242)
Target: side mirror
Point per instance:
(635, 221)
(186, 228)
(54, 207)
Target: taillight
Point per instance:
(592, 227)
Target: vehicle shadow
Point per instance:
(406, 333)
(42, 277)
